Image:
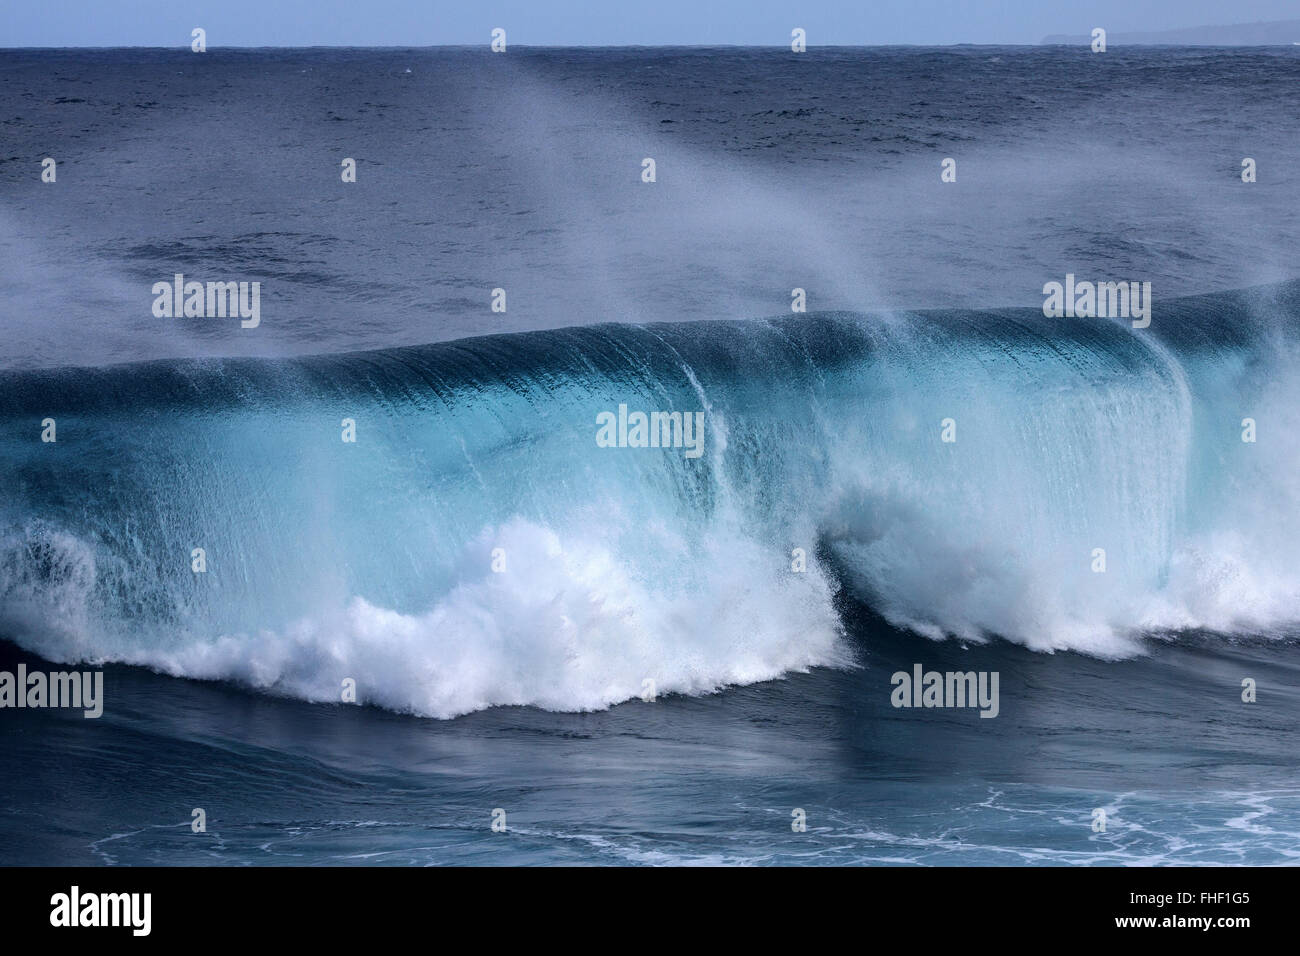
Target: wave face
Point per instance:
(475, 547)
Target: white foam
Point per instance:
(567, 626)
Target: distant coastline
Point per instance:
(1270, 33)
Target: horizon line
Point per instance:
(647, 46)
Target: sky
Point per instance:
(600, 22)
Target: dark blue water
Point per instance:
(1186, 772)
(501, 588)
(477, 171)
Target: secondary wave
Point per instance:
(476, 547)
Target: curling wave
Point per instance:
(475, 547)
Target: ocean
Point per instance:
(369, 584)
